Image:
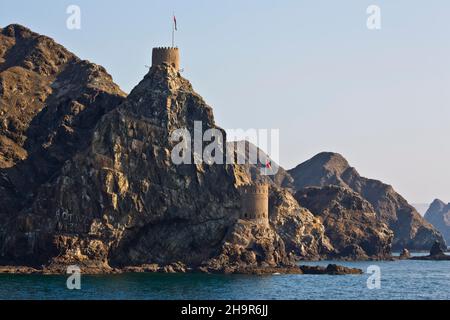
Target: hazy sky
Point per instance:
(310, 68)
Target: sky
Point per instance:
(311, 69)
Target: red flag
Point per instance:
(175, 23)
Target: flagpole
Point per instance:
(173, 34)
(173, 30)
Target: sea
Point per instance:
(382, 280)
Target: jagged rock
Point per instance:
(146, 268)
(303, 234)
(86, 178)
(50, 101)
(438, 214)
(436, 253)
(249, 245)
(125, 190)
(405, 254)
(410, 229)
(436, 249)
(313, 243)
(19, 270)
(331, 269)
(350, 222)
(93, 182)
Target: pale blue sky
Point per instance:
(310, 68)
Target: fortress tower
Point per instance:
(169, 55)
(255, 203)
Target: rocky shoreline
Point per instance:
(436, 254)
(331, 269)
(87, 178)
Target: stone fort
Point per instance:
(255, 203)
(167, 55)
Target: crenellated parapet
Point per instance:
(167, 55)
(256, 188)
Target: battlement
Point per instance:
(255, 203)
(168, 55)
(257, 188)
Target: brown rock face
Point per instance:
(50, 102)
(249, 245)
(87, 176)
(405, 254)
(436, 254)
(350, 222)
(339, 237)
(303, 234)
(410, 229)
(438, 214)
(123, 195)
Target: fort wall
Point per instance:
(168, 55)
(255, 203)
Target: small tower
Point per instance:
(255, 203)
(168, 55)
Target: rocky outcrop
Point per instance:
(90, 179)
(350, 222)
(410, 229)
(303, 234)
(331, 269)
(405, 254)
(50, 101)
(316, 241)
(87, 178)
(122, 201)
(436, 253)
(438, 214)
(249, 245)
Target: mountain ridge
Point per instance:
(438, 214)
(87, 178)
(97, 186)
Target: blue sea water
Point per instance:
(399, 280)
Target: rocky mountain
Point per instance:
(50, 101)
(303, 234)
(438, 214)
(410, 229)
(87, 176)
(352, 228)
(350, 222)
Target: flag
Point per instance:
(175, 23)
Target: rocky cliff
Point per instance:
(350, 222)
(438, 214)
(87, 176)
(50, 101)
(346, 225)
(121, 201)
(410, 229)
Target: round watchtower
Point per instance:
(255, 203)
(168, 55)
